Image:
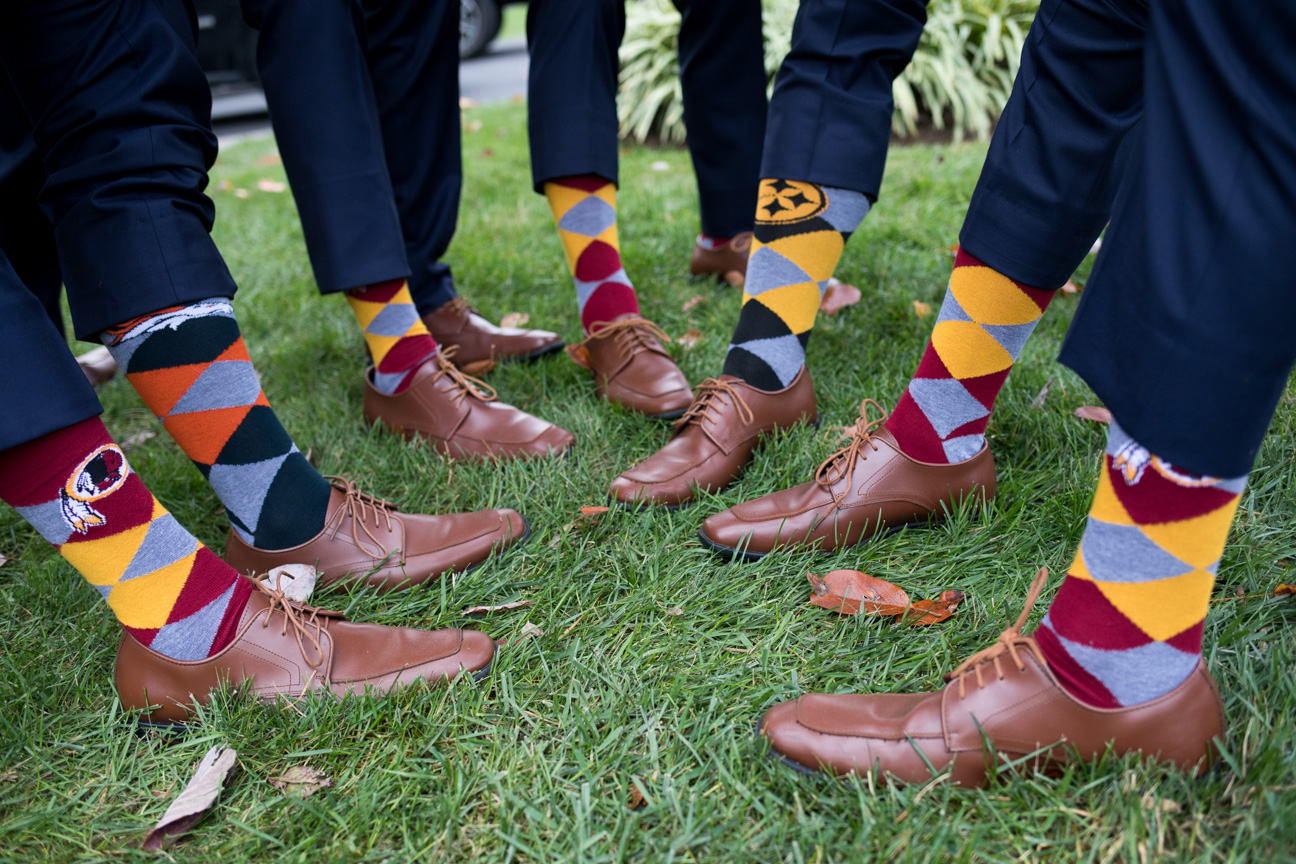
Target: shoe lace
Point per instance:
(842, 463)
(307, 622)
(631, 334)
(705, 400)
(464, 385)
(361, 507)
(1010, 642)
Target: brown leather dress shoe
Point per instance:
(632, 369)
(461, 416)
(482, 344)
(287, 649)
(98, 365)
(1004, 697)
(714, 440)
(728, 263)
(864, 489)
(365, 539)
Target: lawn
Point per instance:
(656, 657)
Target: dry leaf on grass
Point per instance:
(225, 185)
(924, 612)
(676, 611)
(240, 193)
(691, 337)
(473, 126)
(1042, 396)
(588, 516)
(849, 591)
(954, 250)
(4, 560)
(515, 319)
(487, 153)
(296, 580)
(194, 800)
(837, 296)
(1070, 288)
(300, 780)
(133, 441)
(528, 630)
(660, 166)
(265, 184)
(637, 799)
(1094, 413)
(921, 309)
(1097, 244)
(692, 301)
(270, 159)
(478, 367)
(1284, 590)
(517, 604)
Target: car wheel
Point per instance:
(479, 23)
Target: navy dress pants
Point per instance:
(572, 89)
(364, 99)
(120, 114)
(1185, 329)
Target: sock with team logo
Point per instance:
(193, 371)
(801, 230)
(171, 592)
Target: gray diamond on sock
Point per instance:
(1123, 553)
(963, 447)
(48, 520)
(165, 543)
(846, 208)
(223, 384)
(783, 354)
(394, 320)
(951, 310)
(1116, 438)
(590, 217)
(767, 270)
(585, 289)
(1134, 675)
(191, 637)
(946, 403)
(1011, 336)
(242, 488)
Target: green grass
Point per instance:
(513, 21)
(623, 690)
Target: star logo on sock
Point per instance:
(785, 201)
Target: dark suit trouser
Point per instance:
(571, 93)
(364, 99)
(121, 117)
(1185, 329)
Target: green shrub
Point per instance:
(960, 76)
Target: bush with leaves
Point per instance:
(960, 76)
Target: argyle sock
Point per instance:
(801, 230)
(984, 323)
(394, 332)
(585, 209)
(171, 592)
(193, 371)
(1126, 626)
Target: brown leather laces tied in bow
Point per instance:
(465, 385)
(305, 620)
(842, 463)
(631, 333)
(1009, 642)
(704, 399)
(360, 506)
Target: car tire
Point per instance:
(479, 24)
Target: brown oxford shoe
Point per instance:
(365, 539)
(1001, 706)
(632, 369)
(728, 263)
(482, 344)
(714, 440)
(288, 649)
(862, 490)
(461, 416)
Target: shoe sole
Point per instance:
(774, 755)
(731, 552)
(496, 556)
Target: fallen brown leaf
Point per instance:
(1284, 590)
(921, 309)
(954, 250)
(528, 630)
(3, 560)
(225, 185)
(517, 99)
(473, 126)
(588, 515)
(924, 612)
(517, 604)
(479, 367)
(637, 799)
(837, 296)
(194, 800)
(265, 184)
(691, 337)
(1070, 288)
(137, 439)
(240, 193)
(1093, 412)
(849, 591)
(515, 319)
(301, 780)
(1042, 396)
(692, 301)
(270, 159)
(674, 612)
(487, 153)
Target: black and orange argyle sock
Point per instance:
(191, 367)
(171, 592)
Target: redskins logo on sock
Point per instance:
(99, 475)
(781, 202)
